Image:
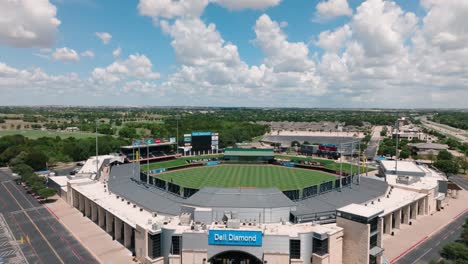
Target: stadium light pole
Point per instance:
(341, 163)
(359, 163)
(147, 162)
(133, 158)
(97, 145)
(397, 126)
(177, 135)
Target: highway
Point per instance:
(429, 249)
(35, 233)
(446, 130)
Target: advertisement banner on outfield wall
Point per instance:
(172, 139)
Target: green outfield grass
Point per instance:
(35, 134)
(246, 176)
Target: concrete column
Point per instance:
(414, 210)
(127, 235)
(388, 224)
(397, 218)
(76, 199)
(94, 213)
(87, 207)
(118, 228)
(406, 214)
(82, 203)
(420, 206)
(109, 222)
(101, 217)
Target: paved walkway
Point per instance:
(425, 226)
(90, 235)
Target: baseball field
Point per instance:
(246, 176)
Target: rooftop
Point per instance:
(403, 166)
(429, 146)
(361, 210)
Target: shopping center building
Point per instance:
(235, 225)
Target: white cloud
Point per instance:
(169, 9)
(389, 55)
(281, 54)
(172, 8)
(333, 41)
(333, 8)
(87, 53)
(116, 53)
(135, 66)
(247, 4)
(105, 37)
(65, 54)
(28, 23)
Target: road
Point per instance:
(429, 249)
(373, 145)
(35, 234)
(446, 130)
(460, 180)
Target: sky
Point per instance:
(262, 53)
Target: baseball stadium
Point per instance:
(247, 206)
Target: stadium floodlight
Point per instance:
(97, 159)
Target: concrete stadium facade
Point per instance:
(254, 226)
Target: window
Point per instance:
(373, 224)
(320, 247)
(175, 247)
(154, 245)
(373, 241)
(295, 248)
(372, 260)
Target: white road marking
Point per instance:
(420, 257)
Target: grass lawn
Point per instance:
(35, 134)
(246, 176)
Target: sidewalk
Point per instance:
(90, 235)
(423, 227)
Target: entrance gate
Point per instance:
(234, 257)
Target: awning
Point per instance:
(376, 251)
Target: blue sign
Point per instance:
(235, 238)
(194, 134)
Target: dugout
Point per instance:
(249, 155)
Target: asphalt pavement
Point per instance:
(38, 233)
(430, 248)
(460, 180)
(373, 145)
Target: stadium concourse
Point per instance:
(341, 221)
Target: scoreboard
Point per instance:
(202, 141)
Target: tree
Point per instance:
(444, 155)
(45, 193)
(447, 166)
(455, 251)
(128, 132)
(404, 154)
(37, 160)
(462, 163)
(295, 143)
